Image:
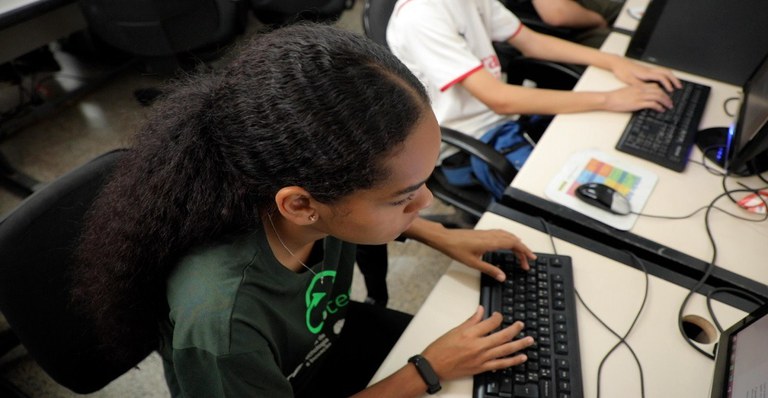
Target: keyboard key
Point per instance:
(546, 388)
(527, 390)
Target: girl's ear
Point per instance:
(296, 204)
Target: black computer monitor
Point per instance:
(742, 149)
(740, 365)
(720, 39)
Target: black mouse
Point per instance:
(604, 197)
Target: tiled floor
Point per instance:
(101, 121)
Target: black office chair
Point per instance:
(160, 31)
(376, 15)
(36, 245)
(472, 201)
(285, 12)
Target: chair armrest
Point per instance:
(471, 145)
(565, 70)
(546, 74)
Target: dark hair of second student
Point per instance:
(311, 106)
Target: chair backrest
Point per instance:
(546, 74)
(37, 240)
(471, 200)
(376, 15)
(160, 28)
(284, 12)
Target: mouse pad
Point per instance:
(634, 182)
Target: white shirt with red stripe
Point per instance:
(444, 41)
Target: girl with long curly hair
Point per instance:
(225, 239)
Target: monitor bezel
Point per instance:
(644, 31)
(726, 56)
(725, 350)
(741, 158)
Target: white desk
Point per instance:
(741, 245)
(24, 28)
(614, 291)
(626, 21)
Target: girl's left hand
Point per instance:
(469, 245)
(634, 74)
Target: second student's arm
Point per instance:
(568, 14)
(508, 99)
(536, 45)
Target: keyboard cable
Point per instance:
(622, 339)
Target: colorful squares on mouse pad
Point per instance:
(598, 171)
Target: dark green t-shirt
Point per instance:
(242, 325)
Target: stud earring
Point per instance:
(313, 218)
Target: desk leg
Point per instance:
(19, 182)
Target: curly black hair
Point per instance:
(306, 105)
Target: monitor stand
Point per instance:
(713, 141)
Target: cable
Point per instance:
(728, 192)
(700, 209)
(725, 105)
(693, 290)
(622, 339)
(710, 265)
(749, 296)
(703, 162)
(707, 273)
(725, 189)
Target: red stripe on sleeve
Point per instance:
(519, 28)
(401, 6)
(460, 78)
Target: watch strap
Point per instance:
(427, 373)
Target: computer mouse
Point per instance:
(604, 197)
(636, 12)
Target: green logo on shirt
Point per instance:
(318, 305)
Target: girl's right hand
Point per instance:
(633, 98)
(469, 349)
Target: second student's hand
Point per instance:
(636, 74)
(633, 98)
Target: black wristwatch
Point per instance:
(427, 373)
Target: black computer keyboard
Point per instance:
(544, 299)
(666, 138)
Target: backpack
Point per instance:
(510, 140)
(507, 139)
